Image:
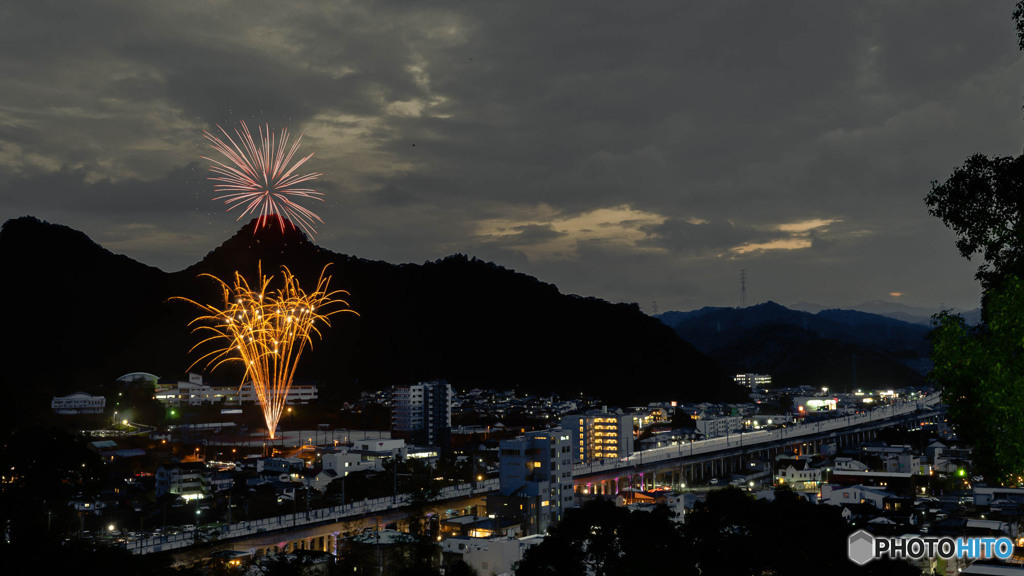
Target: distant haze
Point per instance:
(640, 153)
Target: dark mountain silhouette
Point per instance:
(81, 316)
(895, 310)
(832, 348)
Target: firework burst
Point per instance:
(265, 330)
(260, 179)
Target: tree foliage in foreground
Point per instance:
(729, 534)
(981, 370)
(983, 203)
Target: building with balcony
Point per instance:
(190, 480)
(422, 413)
(599, 435)
(536, 481)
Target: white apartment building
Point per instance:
(78, 403)
(196, 392)
(723, 426)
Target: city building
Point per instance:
(487, 555)
(803, 404)
(907, 462)
(422, 413)
(297, 394)
(364, 455)
(535, 476)
(753, 381)
(877, 497)
(904, 484)
(190, 480)
(78, 403)
(759, 421)
(599, 435)
(986, 495)
(196, 392)
(800, 474)
(722, 426)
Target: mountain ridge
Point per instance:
(475, 323)
(834, 347)
(913, 314)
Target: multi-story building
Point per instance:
(196, 392)
(190, 480)
(599, 435)
(535, 479)
(297, 394)
(721, 426)
(422, 413)
(753, 381)
(79, 403)
(364, 455)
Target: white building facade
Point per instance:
(78, 403)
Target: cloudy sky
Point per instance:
(640, 152)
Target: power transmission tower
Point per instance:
(743, 288)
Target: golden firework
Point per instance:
(267, 331)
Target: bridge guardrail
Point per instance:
(757, 437)
(163, 542)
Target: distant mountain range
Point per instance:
(841, 349)
(79, 316)
(912, 314)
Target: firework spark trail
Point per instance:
(266, 331)
(258, 178)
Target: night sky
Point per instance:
(635, 152)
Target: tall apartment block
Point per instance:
(597, 435)
(422, 413)
(535, 479)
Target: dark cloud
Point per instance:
(700, 127)
(534, 233)
(702, 238)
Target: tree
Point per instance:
(981, 370)
(983, 203)
(730, 533)
(604, 540)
